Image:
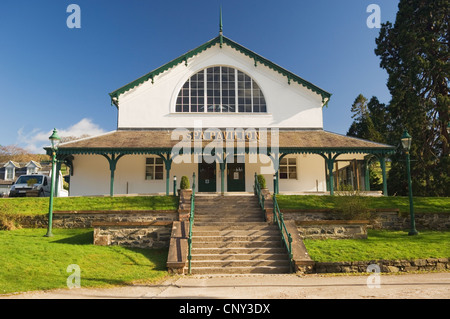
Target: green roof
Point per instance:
(291, 77)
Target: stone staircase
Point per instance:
(230, 236)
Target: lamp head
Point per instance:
(54, 139)
(406, 141)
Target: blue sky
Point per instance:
(53, 76)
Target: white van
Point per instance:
(35, 183)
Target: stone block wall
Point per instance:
(332, 229)
(385, 266)
(85, 219)
(142, 235)
(382, 219)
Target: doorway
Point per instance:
(207, 177)
(236, 177)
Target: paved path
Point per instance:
(404, 286)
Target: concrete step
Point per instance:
(231, 210)
(229, 216)
(227, 225)
(267, 232)
(225, 205)
(250, 238)
(250, 226)
(238, 250)
(227, 220)
(237, 244)
(241, 270)
(228, 256)
(238, 263)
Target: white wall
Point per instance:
(92, 175)
(153, 105)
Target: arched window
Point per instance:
(221, 89)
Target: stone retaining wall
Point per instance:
(383, 219)
(84, 219)
(142, 235)
(333, 229)
(385, 266)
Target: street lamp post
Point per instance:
(406, 143)
(174, 186)
(54, 139)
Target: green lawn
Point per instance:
(421, 204)
(381, 244)
(39, 205)
(30, 261)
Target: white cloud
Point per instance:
(35, 140)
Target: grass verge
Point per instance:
(29, 261)
(421, 204)
(39, 205)
(381, 244)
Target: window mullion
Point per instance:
(251, 92)
(190, 106)
(205, 94)
(220, 90)
(236, 95)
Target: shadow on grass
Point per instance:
(86, 238)
(158, 257)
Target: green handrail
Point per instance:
(191, 223)
(278, 218)
(258, 193)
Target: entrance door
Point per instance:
(207, 177)
(236, 177)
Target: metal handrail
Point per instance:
(258, 193)
(278, 218)
(191, 223)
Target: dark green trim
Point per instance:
(222, 40)
(157, 151)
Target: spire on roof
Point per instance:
(221, 27)
(220, 22)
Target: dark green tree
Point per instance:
(415, 53)
(363, 125)
(369, 122)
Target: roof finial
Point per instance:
(221, 28)
(220, 22)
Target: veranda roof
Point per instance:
(162, 141)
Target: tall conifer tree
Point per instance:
(415, 53)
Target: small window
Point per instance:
(9, 173)
(31, 170)
(288, 168)
(154, 168)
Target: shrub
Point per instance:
(352, 205)
(184, 184)
(9, 221)
(261, 181)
